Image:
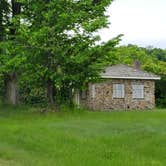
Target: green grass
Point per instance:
(81, 138)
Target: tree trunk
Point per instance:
(11, 88)
(50, 92)
(11, 78)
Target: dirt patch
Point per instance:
(7, 163)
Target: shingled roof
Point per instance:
(125, 72)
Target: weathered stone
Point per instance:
(104, 100)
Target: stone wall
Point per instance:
(104, 100)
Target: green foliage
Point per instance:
(61, 41)
(56, 43)
(52, 42)
(161, 92)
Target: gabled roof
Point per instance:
(125, 72)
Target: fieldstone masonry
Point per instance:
(104, 100)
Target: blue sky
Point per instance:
(143, 22)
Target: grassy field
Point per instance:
(81, 138)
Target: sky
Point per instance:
(143, 22)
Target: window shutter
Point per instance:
(122, 90)
(142, 91)
(93, 91)
(114, 90)
(118, 91)
(138, 91)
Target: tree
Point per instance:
(61, 42)
(11, 56)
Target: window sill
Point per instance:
(138, 98)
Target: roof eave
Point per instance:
(133, 78)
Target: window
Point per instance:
(93, 91)
(138, 91)
(118, 90)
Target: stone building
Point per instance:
(121, 87)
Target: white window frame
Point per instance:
(138, 91)
(93, 91)
(118, 91)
